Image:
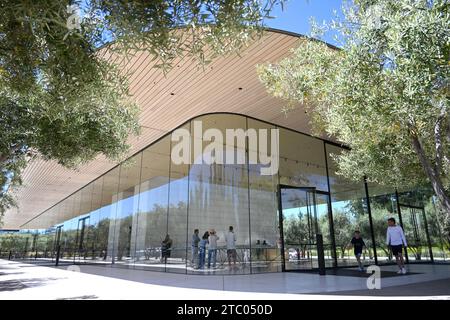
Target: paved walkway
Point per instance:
(27, 281)
(428, 288)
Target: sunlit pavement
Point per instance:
(28, 281)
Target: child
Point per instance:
(358, 244)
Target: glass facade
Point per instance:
(142, 214)
(350, 213)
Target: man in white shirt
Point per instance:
(230, 238)
(395, 239)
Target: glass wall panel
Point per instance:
(218, 193)
(143, 213)
(9, 245)
(41, 248)
(105, 233)
(151, 224)
(71, 229)
(416, 233)
(52, 243)
(350, 214)
(383, 206)
(42, 245)
(127, 208)
(440, 239)
(324, 227)
(414, 218)
(264, 219)
(302, 161)
(84, 235)
(180, 254)
(68, 229)
(94, 244)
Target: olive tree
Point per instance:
(384, 93)
(62, 94)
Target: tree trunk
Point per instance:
(3, 158)
(431, 173)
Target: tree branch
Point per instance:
(3, 158)
(438, 142)
(430, 171)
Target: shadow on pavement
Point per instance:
(13, 285)
(86, 297)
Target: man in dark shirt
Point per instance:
(358, 244)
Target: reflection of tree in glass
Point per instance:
(351, 217)
(343, 230)
(124, 243)
(101, 238)
(296, 231)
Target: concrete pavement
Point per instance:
(28, 281)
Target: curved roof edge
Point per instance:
(299, 35)
(270, 29)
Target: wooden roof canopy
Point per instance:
(227, 84)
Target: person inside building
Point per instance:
(166, 247)
(230, 239)
(212, 248)
(202, 250)
(194, 248)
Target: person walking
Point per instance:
(194, 248)
(212, 248)
(395, 239)
(358, 245)
(258, 249)
(230, 239)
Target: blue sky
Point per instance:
(296, 15)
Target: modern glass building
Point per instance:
(122, 216)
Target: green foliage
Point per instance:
(296, 229)
(65, 100)
(385, 94)
(343, 230)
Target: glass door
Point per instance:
(325, 223)
(301, 219)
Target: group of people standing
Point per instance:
(208, 242)
(395, 239)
